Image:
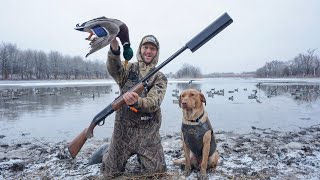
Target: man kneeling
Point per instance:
(136, 132)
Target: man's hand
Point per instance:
(130, 98)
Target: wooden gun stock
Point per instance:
(75, 146)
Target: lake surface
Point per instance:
(60, 110)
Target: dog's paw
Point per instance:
(203, 176)
(211, 170)
(187, 172)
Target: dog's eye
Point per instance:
(192, 94)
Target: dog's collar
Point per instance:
(197, 120)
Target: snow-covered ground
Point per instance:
(260, 154)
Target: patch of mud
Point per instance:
(260, 154)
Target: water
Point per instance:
(60, 110)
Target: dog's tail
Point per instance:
(179, 161)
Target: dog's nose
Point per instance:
(184, 104)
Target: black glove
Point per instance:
(127, 52)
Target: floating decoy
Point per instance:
(231, 98)
(14, 97)
(221, 92)
(175, 90)
(175, 95)
(274, 91)
(252, 96)
(259, 84)
(175, 101)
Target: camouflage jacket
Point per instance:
(150, 99)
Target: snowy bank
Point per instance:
(260, 154)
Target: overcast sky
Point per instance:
(262, 30)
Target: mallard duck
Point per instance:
(104, 31)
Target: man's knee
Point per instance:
(112, 167)
(155, 164)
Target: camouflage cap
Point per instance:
(150, 39)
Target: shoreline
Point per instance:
(259, 154)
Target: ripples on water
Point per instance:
(60, 111)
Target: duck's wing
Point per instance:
(88, 25)
(99, 43)
(104, 29)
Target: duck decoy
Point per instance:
(175, 101)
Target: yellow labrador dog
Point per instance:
(198, 140)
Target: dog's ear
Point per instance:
(203, 99)
(180, 101)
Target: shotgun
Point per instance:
(195, 43)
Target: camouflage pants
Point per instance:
(126, 141)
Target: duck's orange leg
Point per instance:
(90, 35)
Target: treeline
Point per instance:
(230, 74)
(188, 71)
(303, 65)
(33, 64)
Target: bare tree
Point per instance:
(55, 63)
(273, 69)
(188, 71)
(308, 61)
(77, 63)
(41, 64)
(316, 65)
(302, 65)
(315, 62)
(8, 58)
(32, 64)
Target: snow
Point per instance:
(255, 155)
